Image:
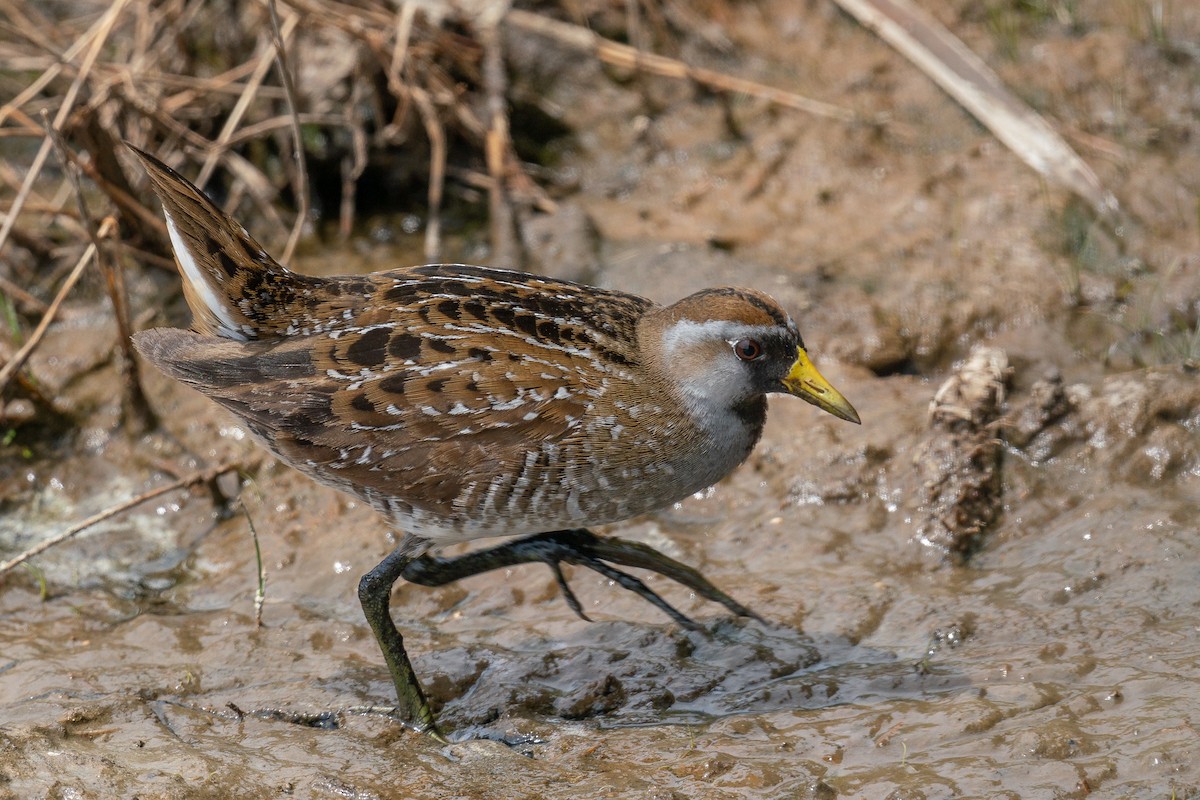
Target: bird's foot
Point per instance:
(583, 548)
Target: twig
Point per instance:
(937, 52)
(219, 145)
(301, 171)
(22, 355)
(534, 194)
(437, 170)
(21, 296)
(496, 149)
(101, 36)
(103, 24)
(196, 477)
(354, 162)
(194, 88)
(260, 593)
(257, 129)
(628, 57)
(133, 399)
(404, 23)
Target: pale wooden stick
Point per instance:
(964, 76)
(628, 57)
(198, 477)
(437, 170)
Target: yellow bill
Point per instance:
(806, 383)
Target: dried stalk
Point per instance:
(134, 403)
(102, 25)
(964, 76)
(23, 297)
(621, 55)
(103, 30)
(497, 147)
(202, 476)
(21, 356)
(301, 171)
(218, 146)
(437, 171)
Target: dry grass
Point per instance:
(420, 90)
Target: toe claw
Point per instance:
(568, 595)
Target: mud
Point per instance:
(1061, 659)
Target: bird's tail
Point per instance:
(235, 290)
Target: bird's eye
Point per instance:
(748, 349)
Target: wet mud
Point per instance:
(998, 601)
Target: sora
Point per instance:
(465, 402)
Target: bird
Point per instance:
(465, 402)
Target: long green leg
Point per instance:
(375, 594)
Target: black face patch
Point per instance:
(752, 412)
(779, 355)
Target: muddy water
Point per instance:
(1061, 660)
(1063, 657)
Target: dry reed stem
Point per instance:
(437, 170)
(23, 297)
(497, 147)
(404, 23)
(194, 89)
(21, 356)
(301, 167)
(217, 147)
(105, 26)
(943, 57)
(202, 476)
(621, 55)
(133, 399)
(354, 163)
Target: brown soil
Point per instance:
(1059, 658)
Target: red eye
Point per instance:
(748, 349)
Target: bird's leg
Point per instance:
(582, 547)
(375, 593)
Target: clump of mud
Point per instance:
(959, 464)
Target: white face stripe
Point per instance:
(194, 274)
(686, 333)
